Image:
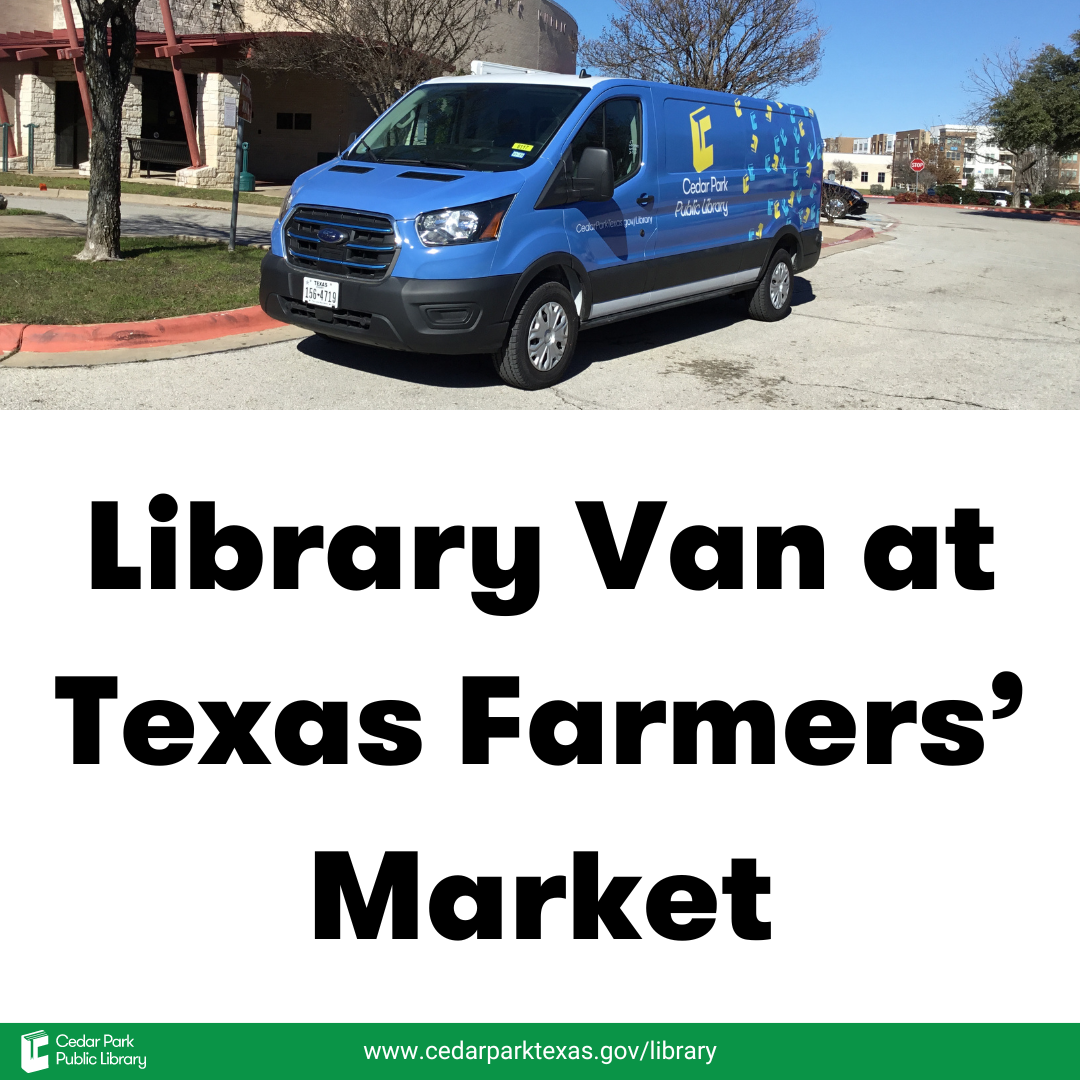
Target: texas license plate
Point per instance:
(322, 293)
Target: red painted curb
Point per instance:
(10, 333)
(94, 337)
(858, 234)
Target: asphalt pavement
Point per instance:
(960, 309)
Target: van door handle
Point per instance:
(644, 200)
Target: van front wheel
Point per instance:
(541, 342)
(772, 298)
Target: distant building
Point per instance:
(1068, 173)
(907, 145)
(298, 120)
(870, 170)
(840, 145)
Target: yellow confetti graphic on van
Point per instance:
(522, 146)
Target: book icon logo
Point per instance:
(32, 1058)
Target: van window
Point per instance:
(489, 126)
(615, 125)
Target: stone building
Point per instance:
(298, 120)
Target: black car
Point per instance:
(838, 201)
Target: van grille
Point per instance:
(364, 248)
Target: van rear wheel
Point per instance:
(771, 300)
(541, 342)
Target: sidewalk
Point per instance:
(247, 209)
(17, 226)
(276, 191)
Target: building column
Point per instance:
(218, 142)
(37, 105)
(130, 125)
(130, 120)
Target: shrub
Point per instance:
(877, 189)
(1054, 199)
(949, 193)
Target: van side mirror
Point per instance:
(595, 177)
(594, 181)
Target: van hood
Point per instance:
(382, 189)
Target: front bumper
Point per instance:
(448, 316)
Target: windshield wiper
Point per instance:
(442, 164)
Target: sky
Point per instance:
(891, 67)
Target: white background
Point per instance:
(909, 892)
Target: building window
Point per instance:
(881, 178)
(832, 174)
(302, 121)
(284, 121)
(864, 177)
(287, 121)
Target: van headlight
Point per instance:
(463, 224)
(285, 204)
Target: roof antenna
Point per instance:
(584, 74)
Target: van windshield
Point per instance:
(490, 127)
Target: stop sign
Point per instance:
(917, 164)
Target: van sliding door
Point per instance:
(731, 177)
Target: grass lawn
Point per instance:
(40, 282)
(131, 187)
(14, 211)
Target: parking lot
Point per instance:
(960, 309)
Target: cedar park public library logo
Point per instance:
(33, 1060)
(703, 155)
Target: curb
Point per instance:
(95, 337)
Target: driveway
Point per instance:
(962, 309)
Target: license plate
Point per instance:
(322, 293)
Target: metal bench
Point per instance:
(157, 151)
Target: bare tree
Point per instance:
(747, 47)
(845, 170)
(938, 168)
(992, 79)
(1016, 118)
(109, 43)
(384, 47)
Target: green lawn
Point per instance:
(132, 187)
(40, 282)
(14, 211)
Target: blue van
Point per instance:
(502, 213)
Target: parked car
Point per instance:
(1004, 198)
(501, 212)
(3, 203)
(838, 201)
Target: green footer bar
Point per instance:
(836, 1051)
